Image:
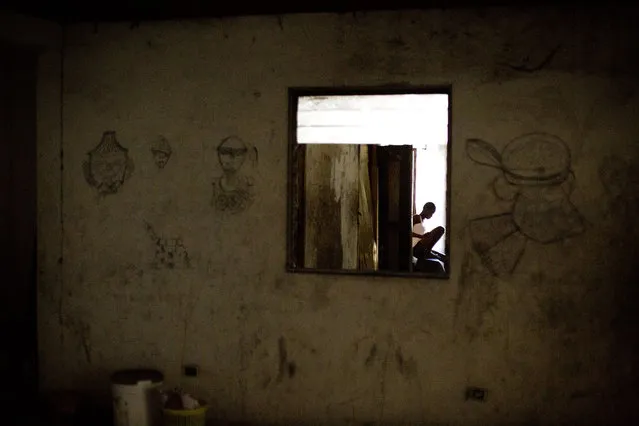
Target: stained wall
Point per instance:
(152, 264)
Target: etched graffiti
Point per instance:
(161, 151)
(536, 175)
(170, 253)
(108, 165)
(233, 191)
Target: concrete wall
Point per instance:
(539, 309)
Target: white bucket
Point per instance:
(136, 398)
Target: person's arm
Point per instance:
(416, 235)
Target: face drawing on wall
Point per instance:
(536, 175)
(233, 191)
(161, 151)
(231, 153)
(108, 165)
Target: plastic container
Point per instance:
(196, 417)
(136, 398)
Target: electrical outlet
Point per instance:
(190, 370)
(476, 394)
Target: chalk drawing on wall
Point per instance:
(531, 47)
(536, 176)
(528, 61)
(233, 191)
(161, 151)
(170, 253)
(108, 165)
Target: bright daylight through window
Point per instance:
(369, 182)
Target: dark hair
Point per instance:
(429, 206)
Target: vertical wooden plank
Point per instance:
(374, 178)
(366, 238)
(383, 201)
(395, 205)
(393, 209)
(405, 207)
(331, 206)
(347, 187)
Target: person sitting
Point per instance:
(423, 242)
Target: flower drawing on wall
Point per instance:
(108, 165)
(161, 151)
(536, 176)
(233, 190)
